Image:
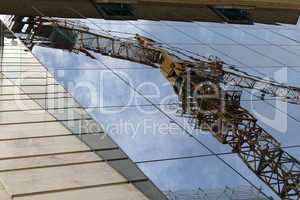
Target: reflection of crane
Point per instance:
(143, 50)
(227, 193)
(198, 83)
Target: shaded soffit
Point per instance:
(264, 11)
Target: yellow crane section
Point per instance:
(199, 85)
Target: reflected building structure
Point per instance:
(67, 39)
(45, 131)
(188, 153)
(241, 193)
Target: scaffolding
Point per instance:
(227, 193)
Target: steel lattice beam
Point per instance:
(223, 117)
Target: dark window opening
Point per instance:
(115, 9)
(234, 15)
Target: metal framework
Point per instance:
(227, 193)
(146, 51)
(236, 127)
(198, 83)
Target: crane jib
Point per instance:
(194, 80)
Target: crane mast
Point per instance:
(199, 85)
(233, 125)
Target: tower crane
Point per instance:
(78, 38)
(199, 84)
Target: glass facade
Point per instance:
(136, 105)
(44, 130)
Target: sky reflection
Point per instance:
(110, 84)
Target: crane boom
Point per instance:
(146, 51)
(221, 114)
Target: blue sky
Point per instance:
(133, 106)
